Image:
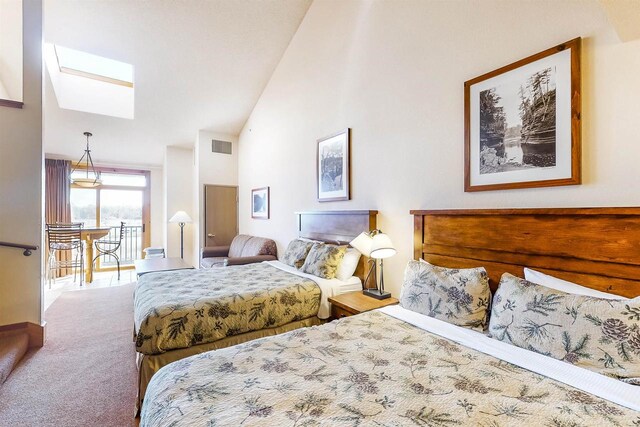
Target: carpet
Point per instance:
(85, 375)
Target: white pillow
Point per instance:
(564, 286)
(348, 264)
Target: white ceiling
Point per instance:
(199, 64)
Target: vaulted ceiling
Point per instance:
(199, 64)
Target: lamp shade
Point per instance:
(181, 216)
(87, 182)
(362, 243)
(381, 246)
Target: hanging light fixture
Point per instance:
(90, 180)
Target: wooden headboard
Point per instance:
(338, 227)
(595, 247)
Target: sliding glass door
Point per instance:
(123, 197)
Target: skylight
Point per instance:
(96, 67)
(90, 83)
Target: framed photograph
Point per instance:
(522, 123)
(260, 203)
(332, 166)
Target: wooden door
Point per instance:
(221, 214)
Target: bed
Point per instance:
(185, 312)
(396, 367)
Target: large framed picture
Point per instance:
(333, 167)
(260, 203)
(522, 123)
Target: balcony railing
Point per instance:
(130, 248)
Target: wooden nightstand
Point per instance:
(351, 303)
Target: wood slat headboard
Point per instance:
(338, 227)
(595, 247)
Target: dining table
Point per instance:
(89, 235)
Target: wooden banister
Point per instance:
(27, 248)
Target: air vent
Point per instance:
(223, 147)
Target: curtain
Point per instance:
(58, 200)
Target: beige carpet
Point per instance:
(85, 375)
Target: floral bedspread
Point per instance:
(369, 369)
(178, 309)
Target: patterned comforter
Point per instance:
(369, 369)
(178, 309)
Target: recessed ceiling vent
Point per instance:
(222, 147)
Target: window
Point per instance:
(122, 197)
(96, 67)
(90, 83)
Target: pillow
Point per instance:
(323, 260)
(296, 253)
(458, 296)
(348, 265)
(601, 335)
(564, 286)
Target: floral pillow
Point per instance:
(296, 253)
(458, 296)
(323, 260)
(597, 334)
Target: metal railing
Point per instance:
(130, 247)
(27, 248)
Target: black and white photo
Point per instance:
(260, 203)
(333, 167)
(522, 123)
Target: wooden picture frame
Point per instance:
(333, 167)
(522, 123)
(260, 203)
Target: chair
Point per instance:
(65, 238)
(244, 249)
(109, 248)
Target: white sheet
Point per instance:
(329, 287)
(607, 388)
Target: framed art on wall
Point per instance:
(522, 123)
(332, 166)
(260, 203)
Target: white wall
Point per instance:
(11, 50)
(21, 182)
(394, 72)
(158, 224)
(211, 169)
(178, 196)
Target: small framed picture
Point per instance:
(332, 166)
(522, 123)
(260, 203)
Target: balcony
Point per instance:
(130, 248)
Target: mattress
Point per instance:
(385, 367)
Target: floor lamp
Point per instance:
(181, 217)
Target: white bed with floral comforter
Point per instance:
(390, 367)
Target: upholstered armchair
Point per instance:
(244, 249)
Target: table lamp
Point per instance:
(181, 217)
(377, 246)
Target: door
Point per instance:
(221, 214)
(123, 196)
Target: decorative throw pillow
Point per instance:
(597, 334)
(296, 253)
(458, 296)
(323, 260)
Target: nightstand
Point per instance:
(351, 303)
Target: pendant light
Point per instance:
(90, 180)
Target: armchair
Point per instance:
(244, 249)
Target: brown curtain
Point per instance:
(57, 203)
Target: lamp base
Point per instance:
(375, 293)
